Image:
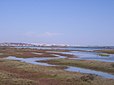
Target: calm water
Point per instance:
(71, 48)
(84, 55)
(81, 56)
(88, 71)
(91, 56)
(36, 61)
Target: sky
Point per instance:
(73, 22)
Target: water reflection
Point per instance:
(82, 70)
(92, 56)
(36, 61)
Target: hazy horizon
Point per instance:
(73, 22)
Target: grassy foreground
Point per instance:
(91, 64)
(20, 73)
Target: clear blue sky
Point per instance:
(75, 22)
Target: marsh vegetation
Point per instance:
(14, 72)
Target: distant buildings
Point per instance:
(15, 44)
(31, 44)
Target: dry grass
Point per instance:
(7, 78)
(24, 53)
(20, 73)
(106, 51)
(28, 53)
(95, 65)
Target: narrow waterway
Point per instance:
(91, 56)
(36, 61)
(88, 71)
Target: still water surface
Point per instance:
(36, 61)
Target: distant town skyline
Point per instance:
(72, 22)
